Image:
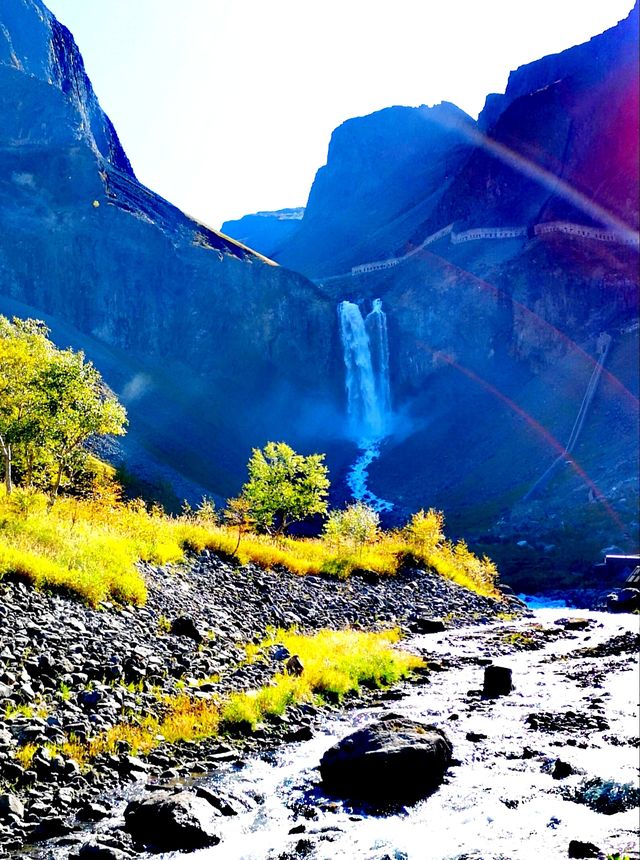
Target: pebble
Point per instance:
(69, 672)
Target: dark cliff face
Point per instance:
(562, 142)
(265, 232)
(212, 347)
(33, 42)
(380, 168)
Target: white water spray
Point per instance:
(365, 349)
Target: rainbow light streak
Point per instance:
(634, 402)
(531, 421)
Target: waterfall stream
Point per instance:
(365, 347)
(499, 800)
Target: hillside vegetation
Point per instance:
(90, 547)
(65, 526)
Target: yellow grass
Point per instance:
(90, 548)
(185, 719)
(336, 662)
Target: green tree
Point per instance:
(24, 350)
(357, 524)
(51, 402)
(75, 405)
(284, 487)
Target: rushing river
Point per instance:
(495, 803)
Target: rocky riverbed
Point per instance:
(69, 671)
(547, 770)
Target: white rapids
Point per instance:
(497, 804)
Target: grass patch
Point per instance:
(335, 663)
(90, 547)
(184, 719)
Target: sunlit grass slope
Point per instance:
(335, 663)
(90, 547)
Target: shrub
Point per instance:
(424, 531)
(284, 487)
(357, 524)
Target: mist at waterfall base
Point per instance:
(370, 417)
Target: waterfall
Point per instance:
(366, 356)
(376, 325)
(365, 348)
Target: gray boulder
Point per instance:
(420, 624)
(625, 600)
(395, 760)
(96, 851)
(10, 805)
(184, 625)
(172, 822)
(497, 682)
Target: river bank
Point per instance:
(537, 774)
(71, 672)
(548, 771)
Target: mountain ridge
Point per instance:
(218, 328)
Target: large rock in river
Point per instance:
(395, 760)
(172, 822)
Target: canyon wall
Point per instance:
(212, 347)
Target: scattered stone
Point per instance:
(172, 822)
(279, 652)
(474, 737)
(10, 805)
(131, 764)
(184, 625)
(92, 812)
(624, 600)
(294, 666)
(625, 643)
(607, 796)
(575, 623)
(569, 721)
(561, 769)
(497, 682)
(225, 805)
(50, 828)
(97, 851)
(427, 625)
(581, 850)
(394, 760)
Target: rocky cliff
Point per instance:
(494, 321)
(266, 232)
(212, 347)
(384, 173)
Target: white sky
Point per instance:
(226, 107)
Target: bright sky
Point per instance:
(226, 107)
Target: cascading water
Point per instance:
(365, 348)
(376, 326)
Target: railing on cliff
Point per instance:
(596, 233)
(602, 348)
(547, 228)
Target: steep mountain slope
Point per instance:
(531, 252)
(380, 168)
(208, 343)
(267, 232)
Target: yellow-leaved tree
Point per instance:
(51, 402)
